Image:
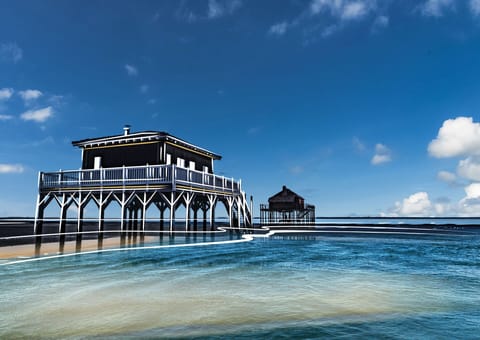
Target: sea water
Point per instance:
(281, 287)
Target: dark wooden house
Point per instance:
(139, 170)
(287, 207)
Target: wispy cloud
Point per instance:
(57, 100)
(436, 8)
(278, 29)
(475, 7)
(11, 168)
(10, 52)
(131, 70)
(218, 8)
(380, 22)
(46, 141)
(297, 170)
(324, 18)
(358, 144)
(6, 93)
(382, 154)
(343, 9)
(184, 13)
(447, 177)
(144, 88)
(38, 116)
(5, 117)
(30, 95)
(330, 30)
(215, 9)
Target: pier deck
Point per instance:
(165, 178)
(135, 188)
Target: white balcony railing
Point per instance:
(136, 176)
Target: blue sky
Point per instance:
(361, 106)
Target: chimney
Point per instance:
(126, 130)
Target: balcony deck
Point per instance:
(150, 177)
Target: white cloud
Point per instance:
(131, 70)
(475, 7)
(11, 168)
(469, 168)
(218, 9)
(443, 209)
(214, 9)
(447, 177)
(436, 8)
(5, 117)
(456, 137)
(30, 95)
(417, 204)
(470, 204)
(354, 10)
(473, 190)
(379, 159)
(10, 52)
(317, 6)
(343, 9)
(6, 93)
(382, 154)
(278, 29)
(38, 116)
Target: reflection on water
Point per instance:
(53, 244)
(301, 288)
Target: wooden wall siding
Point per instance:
(132, 155)
(200, 160)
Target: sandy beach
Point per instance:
(17, 241)
(55, 248)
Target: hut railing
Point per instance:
(137, 175)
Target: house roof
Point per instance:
(142, 137)
(286, 195)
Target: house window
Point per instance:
(180, 162)
(191, 165)
(97, 162)
(169, 159)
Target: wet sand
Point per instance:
(17, 241)
(56, 248)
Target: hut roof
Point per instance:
(141, 137)
(284, 196)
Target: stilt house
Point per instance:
(138, 170)
(287, 207)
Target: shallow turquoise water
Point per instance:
(382, 287)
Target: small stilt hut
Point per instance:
(287, 207)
